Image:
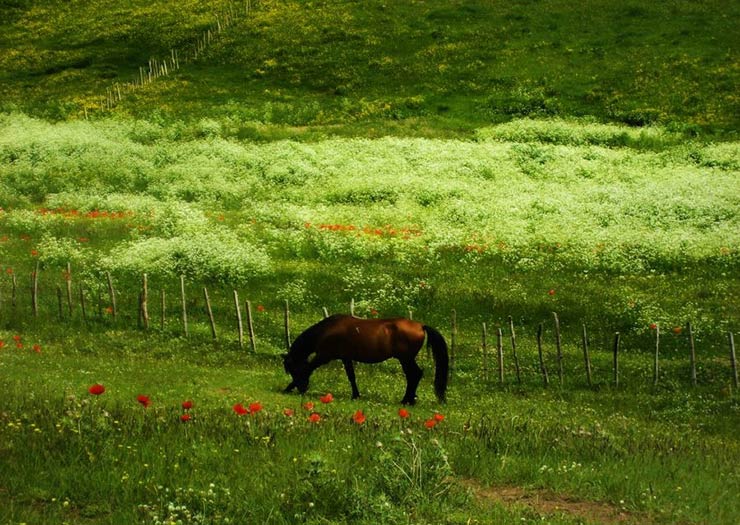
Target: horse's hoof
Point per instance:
(408, 401)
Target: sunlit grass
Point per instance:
(657, 454)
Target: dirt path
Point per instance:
(545, 502)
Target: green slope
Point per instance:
(374, 68)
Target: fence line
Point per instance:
(144, 321)
(162, 67)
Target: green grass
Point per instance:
(659, 455)
(498, 159)
(425, 69)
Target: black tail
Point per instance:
(441, 361)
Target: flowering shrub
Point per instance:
(205, 255)
(564, 198)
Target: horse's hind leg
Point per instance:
(413, 376)
(350, 369)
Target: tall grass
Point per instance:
(658, 456)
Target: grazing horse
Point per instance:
(349, 339)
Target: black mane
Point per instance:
(305, 343)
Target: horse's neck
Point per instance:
(301, 348)
(305, 344)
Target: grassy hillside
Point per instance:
(374, 68)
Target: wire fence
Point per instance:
(190, 309)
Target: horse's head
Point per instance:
(298, 370)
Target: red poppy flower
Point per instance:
(308, 405)
(2, 343)
(96, 389)
(187, 405)
(314, 418)
(677, 330)
(9, 271)
(403, 413)
(255, 407)
(438, 417)
(359, 417)
(16, 338)
(430, 423)
(288, 412)
(653, 326)
(37, 349)
(34, 253)
(19, 345)
(260, 308)
(109, 309)
(185, 418)
(144, 400)
(240, 410)
(328, 398)
(551, 292)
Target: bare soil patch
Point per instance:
(545, 502)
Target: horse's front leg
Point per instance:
(350, 369)
(302, 382)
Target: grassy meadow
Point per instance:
(496, 160)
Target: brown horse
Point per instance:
(349, 339)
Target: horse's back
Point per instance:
(370, 340)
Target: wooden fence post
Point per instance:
(543, 368)
(239, 326)
(145, 301)
(513, 350)
(692, 350)
(586, 356)
(558, 347)
(35, 291)
(616, 359)
(82, 303)
(733, 362)
(112, 294)
(250, 328)
(500, 351)
(484, 352)
(210, 312)
(184, 306)
(287, 323)
(14, 290)
(656, 366)
(68, 278)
